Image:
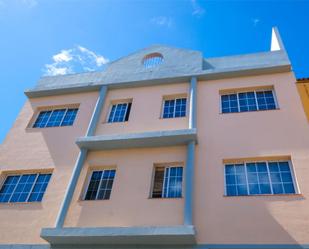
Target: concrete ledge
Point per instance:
(24, 246)
(171, 235)
(138, 140)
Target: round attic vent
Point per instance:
(152, 60)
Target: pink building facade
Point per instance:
(163, 149)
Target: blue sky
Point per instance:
(58, 36)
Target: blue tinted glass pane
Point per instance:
(224, 98)
(284, 166)
(240, 169)
(230, 169)
(286, 177)
(277, 188)
(39, 187)
(93, 185)
(118, 113)
(265, 188)
(231, 190)
(230, 179)
(241, 179)
(251, 167)
(273, 167)
(275, 177)
(261, 167)
(242, 189)
(254, 189)
(69, 117)
(173, 182)
(56, 118)
(42, 119)
(263, 178)
(252, 178)
(289, 188)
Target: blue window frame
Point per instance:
(119, 112)
(258, 178)
(100, 185)
(24, 188)
(174, 108)
(248, 101)
(167, 182)
(56, 118)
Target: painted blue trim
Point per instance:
(189, 174)
(138, 140)
(24, 246)
(192, 109)
(145, 235)
(80, 160)
(71, 187)
(200, 246)
(252, 246)
(97, 112)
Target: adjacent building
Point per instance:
(163, 149)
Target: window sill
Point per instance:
(266, 195)
(47, 128)
(19, 203)
(111, 123)
(169, 198)
(161, 118)
(277, 109)
(86, 201)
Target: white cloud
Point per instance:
(99, 59)
(64, 55)
(76, 59)
(162, 21)
(197, 9)
(255, 21)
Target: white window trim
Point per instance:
(168, 178)
(52, 110)
(20, 175)
(294, 180)
(88, 182)
(174, 111)
(110, 110)
(255, 96)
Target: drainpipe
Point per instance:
(189, 170)
(80, 159)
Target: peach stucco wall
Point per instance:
(145, 112)
(49, 148)
(130, 203)
(218, 219)
(255, 219)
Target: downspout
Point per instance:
(189, 170)
(80, 159)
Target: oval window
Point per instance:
(152, 60)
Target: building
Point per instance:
(163, 149)
(303, 89)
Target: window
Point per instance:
(167, 182)
(100, 185)
(248, 101)
(257, 178)
(174, 108)
(24, 188)
(55, 118)
(119, 112)
(152, 60)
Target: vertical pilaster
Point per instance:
(189, 170)
(80, 159)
